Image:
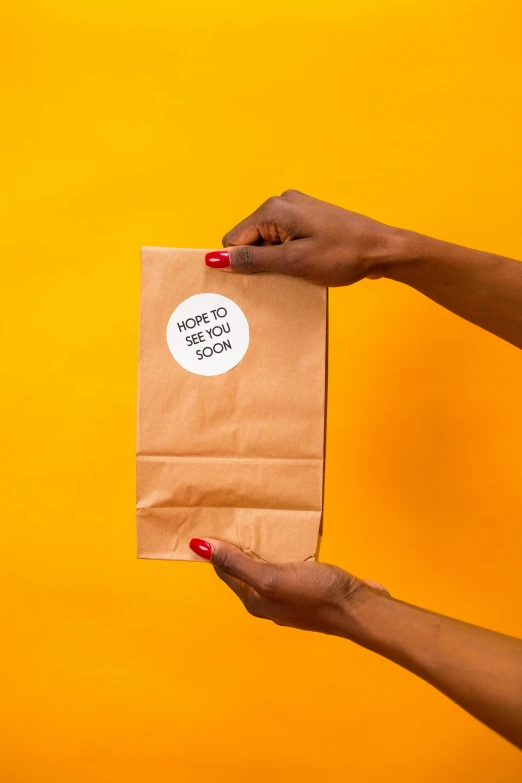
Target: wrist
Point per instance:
(401, 253)
(396, 630)
(359, 613)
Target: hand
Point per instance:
(295, 234)
(311, 596)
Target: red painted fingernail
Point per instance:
(201, 548)
(218, 259)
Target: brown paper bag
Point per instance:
(237, 455)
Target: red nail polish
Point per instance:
(217, 259)
(201, 548)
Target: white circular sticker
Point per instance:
(208, 334)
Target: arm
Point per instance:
(480, 670)
(481, 287)
(298, 235)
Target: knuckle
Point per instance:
(277, 211)
(273, 201)
(245, 258)
(272, 209)
(290, 192)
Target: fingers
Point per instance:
(274, 221)
(250, 598)
(261, 225)
(231, 562)
(236, 585)
(248, 232)
(271, 239)
(245, 233)
(254, 258)
(286, 259)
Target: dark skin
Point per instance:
(298, 235)
(295, 234)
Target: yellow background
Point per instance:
(130, 123)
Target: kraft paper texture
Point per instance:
(237, 456)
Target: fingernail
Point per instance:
(201, 548)
(217, 259)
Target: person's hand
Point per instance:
(311, 596)
(295, 234)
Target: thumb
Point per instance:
(247, 259)
(232, 562)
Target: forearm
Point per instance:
(479, 669)
(483, 288)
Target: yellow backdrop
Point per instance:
(133, 122)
